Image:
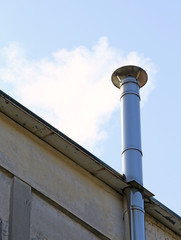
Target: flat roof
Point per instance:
(59, 141)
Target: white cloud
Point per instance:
(72, 89)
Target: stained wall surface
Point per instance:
(74, 200)
(155, 230)
(46, 196)
(5, 193)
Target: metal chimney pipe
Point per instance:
(129, 79)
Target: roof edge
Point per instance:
(163, 214)
(49, 134)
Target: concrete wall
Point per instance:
(5, 194)
(61, 182)
(55, 224)
(156, 230)
(46, 196)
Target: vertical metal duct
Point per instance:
(129, 79)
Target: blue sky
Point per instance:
(57, 57)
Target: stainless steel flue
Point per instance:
(129, 79)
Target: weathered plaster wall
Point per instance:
(5, 193)
(157, 231)
(60, 179)
(46, 196)
(49, 223)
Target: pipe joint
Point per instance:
(131, 148)
(136, 208)
(130, 92)
(128, 79)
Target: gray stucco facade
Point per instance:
(51, 188)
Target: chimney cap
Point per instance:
(132, 71)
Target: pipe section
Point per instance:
(131, 130)
(134, 214)
(129, 79)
